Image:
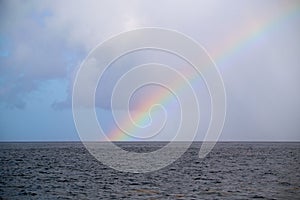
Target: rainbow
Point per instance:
(253, 32)
(236, 43)
(140, 117)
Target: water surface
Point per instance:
(230, 171)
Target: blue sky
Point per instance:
(42, 44)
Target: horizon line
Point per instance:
(79, 141)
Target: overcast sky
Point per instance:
(255, 45)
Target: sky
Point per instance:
(255, 45)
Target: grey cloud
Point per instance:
(261, 79)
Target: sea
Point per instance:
(232, 170)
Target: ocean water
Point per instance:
(230, 171)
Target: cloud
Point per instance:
(45, 41)
(42, 41)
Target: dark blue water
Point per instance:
(231, 171)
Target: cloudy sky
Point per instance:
(255, 45)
